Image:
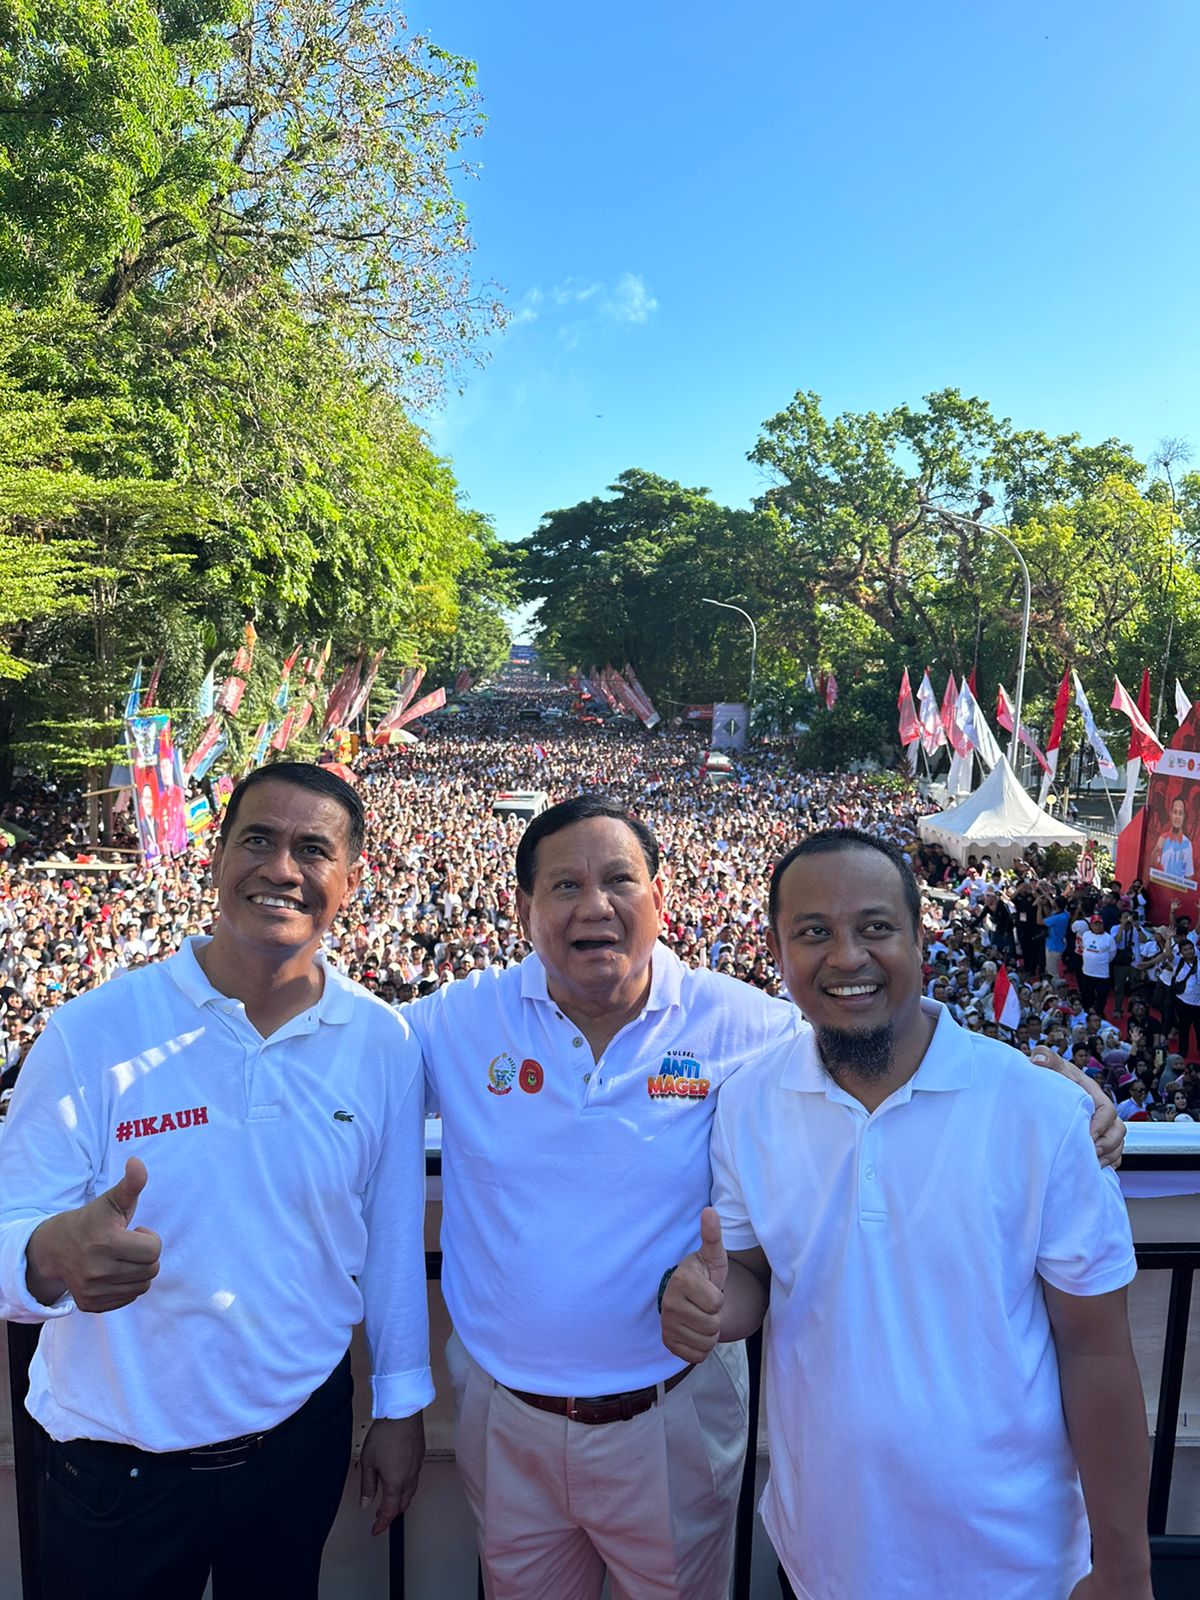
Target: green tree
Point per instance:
(187, 152)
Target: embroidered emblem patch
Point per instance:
(502, 1069)
(532, 1077)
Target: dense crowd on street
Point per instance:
(438, 898)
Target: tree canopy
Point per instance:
(233, 254)
(865, 555)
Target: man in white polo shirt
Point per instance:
(954, 1403)
(198, 1152)
(576, 1094)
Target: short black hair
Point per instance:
(582, 808)
(304, 776)
(830, 840)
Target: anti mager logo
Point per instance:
(679, 1078)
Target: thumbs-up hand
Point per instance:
(695, 1294)
(93, 1253)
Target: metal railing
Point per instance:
(1182, 1261)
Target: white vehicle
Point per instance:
(522, 803)
(717, 768)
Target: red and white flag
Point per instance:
(831, 691)
(1143, 743)
(1062, 704)
(1006, 1008)
(1144, 747)
(933, 735)
(958, 741)
(539, 751)
(1005, 712)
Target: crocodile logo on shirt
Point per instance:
(343, 1116)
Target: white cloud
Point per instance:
(630, 300)
(627, 300)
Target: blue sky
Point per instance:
(697, 209)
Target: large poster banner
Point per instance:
(159, 803)
(1172, 834)
(729, 725)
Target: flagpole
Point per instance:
(989, 527)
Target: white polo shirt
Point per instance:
(918, 1449)
(569, 1185)
(286, 1179)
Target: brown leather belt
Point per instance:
(600, 1408)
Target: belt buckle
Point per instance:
(572, 1415)
(221, 1460)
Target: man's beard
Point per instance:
(866, 1056)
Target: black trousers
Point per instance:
(1094, 992)
(120, 1525)
(785, 1587)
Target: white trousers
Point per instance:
(652, 1500)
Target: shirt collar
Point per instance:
(946, 1064)
(335, 1005)
(666, 977)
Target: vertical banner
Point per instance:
(729, 725)
(158, 799)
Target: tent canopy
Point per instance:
(998, 819)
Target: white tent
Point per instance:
(999, 819)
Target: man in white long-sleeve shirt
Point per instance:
(222, 1155)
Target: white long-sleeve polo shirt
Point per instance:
(570, 1185)
(285, 1177)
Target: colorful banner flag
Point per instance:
(643, 705)
(698, 713)
(158, 799)
(429, 702)
(1062, 704)
(362, 698)
(1105, 762)
(262, 740)
(831, 691)
(810, 683)
(134, 697)
(229, 699)
(152, 687)
(201, 758)
(342, 693)
(462, 681)
(206, 698)
(1005, 712)
(283, 733)
(539, 752)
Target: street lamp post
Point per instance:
(753, 650)
(987, 527)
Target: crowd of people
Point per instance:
(438, 896)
